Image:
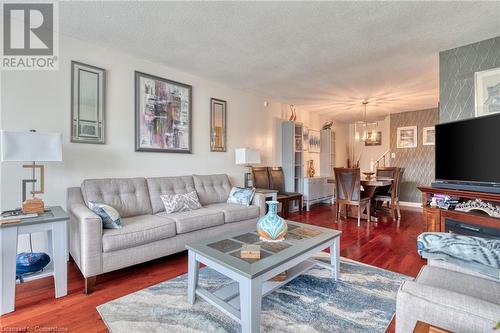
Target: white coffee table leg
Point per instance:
(193, 272)
(8, 241)
(59, 256)
(250, 305)
(335, 257)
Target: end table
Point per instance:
(54, 222)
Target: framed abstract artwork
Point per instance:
(407, 137)
(163, 115)
(487, 91)
(218, 136)
(428, 136)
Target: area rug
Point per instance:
(363, 300)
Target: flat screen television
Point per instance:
(468, 151)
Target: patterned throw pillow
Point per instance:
(241, 195)
(109, 215)
(180, 202)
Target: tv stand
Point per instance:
(473, 187)
(435, 218)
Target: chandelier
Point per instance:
(362, 132)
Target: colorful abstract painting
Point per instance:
(162, 115)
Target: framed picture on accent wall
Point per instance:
(487, 91)
(407, 137)
(163, 109)
(314, 141)
(428, 136)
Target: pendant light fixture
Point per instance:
(361, 128)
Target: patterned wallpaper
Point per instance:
(456, 77)
(418, 162)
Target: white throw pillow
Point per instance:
(180, 202)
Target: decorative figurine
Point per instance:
(271, 227)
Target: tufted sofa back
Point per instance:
(212, 188)
(129, 196)
(167, 185)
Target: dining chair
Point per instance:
(391, 196)
(260, 177)
(277, 182)
(348, 192)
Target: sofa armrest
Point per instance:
(85, 228)
(259, 199)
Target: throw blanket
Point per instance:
(476, 253)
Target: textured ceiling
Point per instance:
(323, 56)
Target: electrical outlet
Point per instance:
(393, 155)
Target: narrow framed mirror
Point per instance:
(88, 84)
(218, 125)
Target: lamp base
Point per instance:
(31, 206)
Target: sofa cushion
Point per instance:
(235, 212)
(487, 290)
(129, 196)
(137, 230)
(195, 220)
(167, 185)
(212, 188)
(241, 195)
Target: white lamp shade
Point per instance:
(247, 156)
(30, 146)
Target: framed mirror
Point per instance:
(87, 103)
(218, 125)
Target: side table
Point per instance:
(54, 222)
(269, 194)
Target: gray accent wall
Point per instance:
(456, 77)
(418, 162)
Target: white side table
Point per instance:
(269, 194)
(54, 222)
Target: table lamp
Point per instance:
(247, 157)
(31, 147)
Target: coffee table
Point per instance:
(242, 300)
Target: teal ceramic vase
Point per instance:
(272, 227)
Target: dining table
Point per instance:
(369, 185)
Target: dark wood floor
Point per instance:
(383, 244)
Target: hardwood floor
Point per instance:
(383, 244)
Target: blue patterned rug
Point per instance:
(364, 300)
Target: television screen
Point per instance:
(469, 150)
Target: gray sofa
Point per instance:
(148, 232)
(450, 297)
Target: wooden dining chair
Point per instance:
(277, 182)
(260, 177)
(391, 196)
(348, 192)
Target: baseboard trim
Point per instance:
(411, 204)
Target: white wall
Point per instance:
(41, 100)
(371, 153)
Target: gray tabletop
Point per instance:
(225, 249)
(55, 214)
